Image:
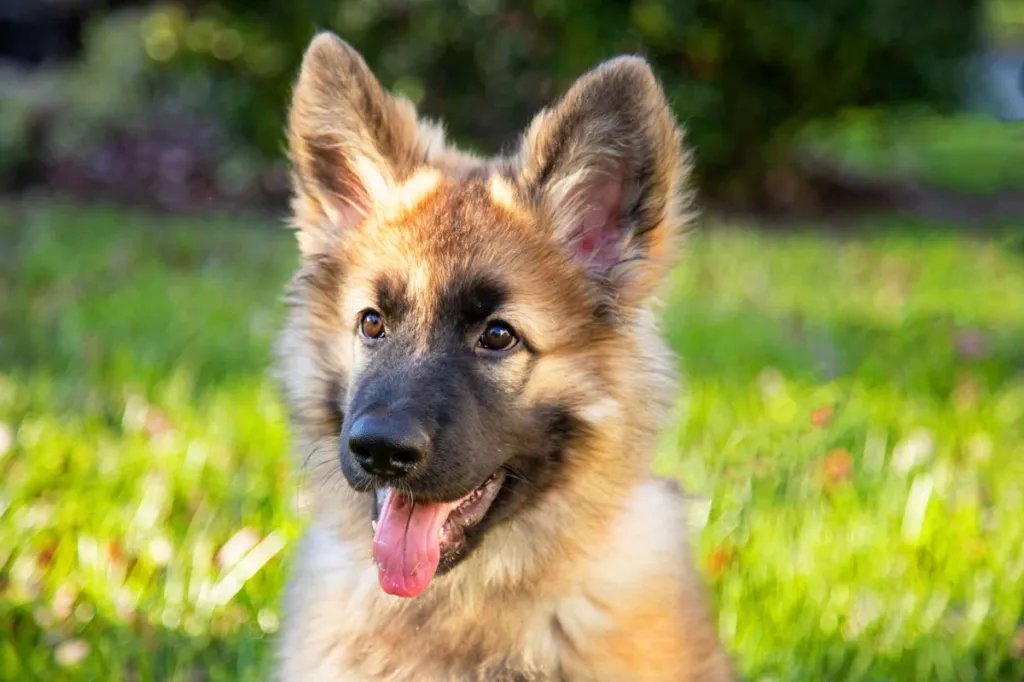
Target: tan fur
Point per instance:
(594, 582)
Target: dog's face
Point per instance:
(466, 319)
(446, 313)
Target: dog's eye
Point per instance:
(498, 336)
(371, 325)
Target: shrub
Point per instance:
(100, 128)
(745, 75)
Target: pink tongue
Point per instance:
(407, 543)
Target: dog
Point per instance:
(475, 379)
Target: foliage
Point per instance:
(102, 90)
(853, 430)
(743, 75)
(102, 126)
(1005, 21)
(976, 155)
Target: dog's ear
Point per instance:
(349, 141)
(605, 167)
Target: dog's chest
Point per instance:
(453, 641)
(342, 628)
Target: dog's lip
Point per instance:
(470, 512)
(475, 505)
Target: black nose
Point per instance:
(387, 446)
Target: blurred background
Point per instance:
(850, 315)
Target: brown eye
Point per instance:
(498, 336)
(371, 326)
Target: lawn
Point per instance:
(852, 432)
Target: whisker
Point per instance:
(519, 476)
(304, 470)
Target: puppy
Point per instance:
(475, 380)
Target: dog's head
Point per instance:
(466, 333)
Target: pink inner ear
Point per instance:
(599, 230)
(349, 216)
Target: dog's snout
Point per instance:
(388, 446)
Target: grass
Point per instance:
(853, 431)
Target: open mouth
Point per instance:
(412, 537)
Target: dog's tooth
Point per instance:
(373, 526)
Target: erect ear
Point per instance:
(349, 141)
(605, 168)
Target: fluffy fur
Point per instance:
(586, 576)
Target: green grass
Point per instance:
(853, 429)
(972, 154)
